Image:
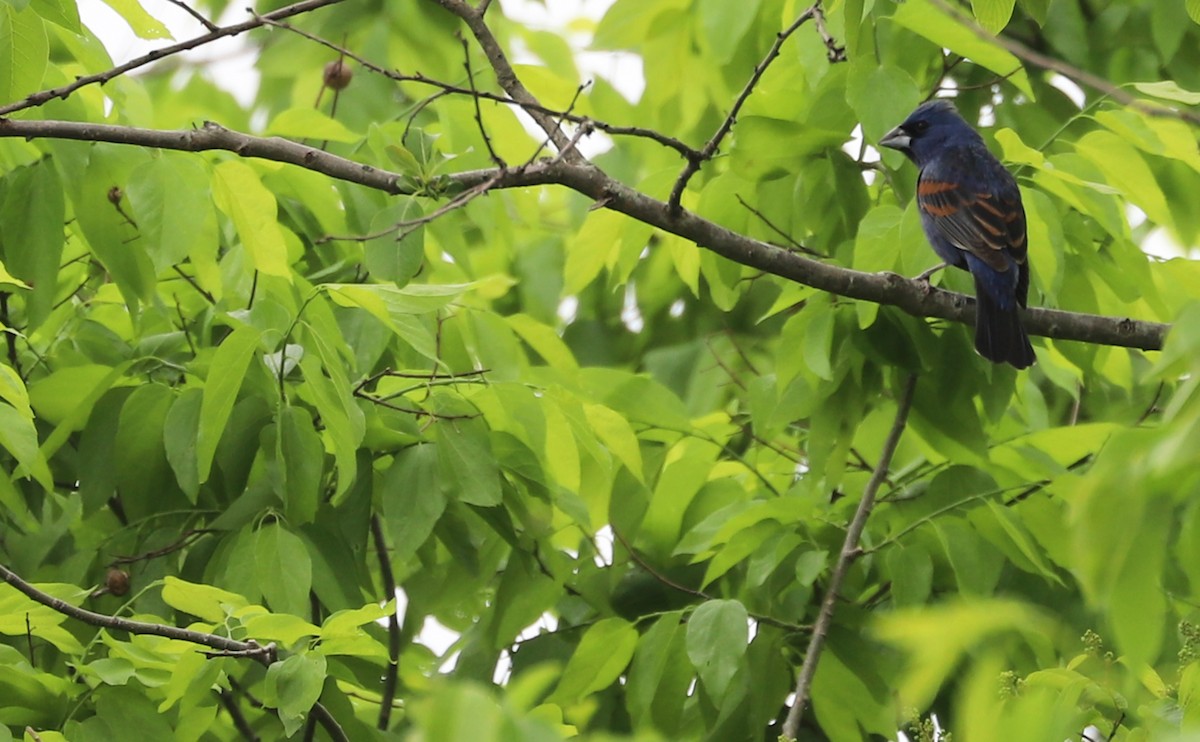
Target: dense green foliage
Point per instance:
(196, 378)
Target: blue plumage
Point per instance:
(972, 214)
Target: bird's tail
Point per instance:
(999, 335)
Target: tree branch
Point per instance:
(914, 297)
(506, 76)
(850, 552)
(393, 626)
(1076, 74)
(710, 148)
(36, 99)
(447, 88)
(263, 654)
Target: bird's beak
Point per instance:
(896, 139)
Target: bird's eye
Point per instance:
(919, 127)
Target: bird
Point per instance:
(973, 217)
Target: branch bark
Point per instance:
(263, 654)
(850, 551)
(36, 99)
(506, 76)
(914, 297)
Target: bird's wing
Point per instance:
(988, 223)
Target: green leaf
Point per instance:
(278, 627)
(384, 301)
(341, 417)
(1017, 151)
(24, 51)
(413, 499)
(65, 391)
(881, 95)
(140, 22)
(543, 339)
(349, 621)
(467, 468)
(601, 657)
(1193, 10)
(1126, 171)
(717, 637)
(396, 256)
(293, 686)
(13, 391)
(172, 203)
(911, 570)
(61, 12)
(659, 677)
(923, 18)
(180, 432)
(284, 569)
(1169, 90)
(20, 616)
(33, 215)
(810, 565)
(226, 372)
(205, 601)
(309, 123)
(878, 235)
(615, 432)
(724, 24)
(241, 195)
(993, 14)
(936, 637)
(301, 459)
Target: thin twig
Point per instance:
(195, 14)
(833, 52)
(641, 562)
(445, 88)
(41, 97)
(850, 551)
(391, 676)
(1076, 74)
(506, 76)
(406, 227)
(791, 241)
(264, 654)
(710, 148)
(192, 282)
(235, 714)
(183, 541)
(487, 139)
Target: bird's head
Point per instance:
(933, 126)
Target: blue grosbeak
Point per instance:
(972, 214)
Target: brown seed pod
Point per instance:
(338, 75)
(117, 581)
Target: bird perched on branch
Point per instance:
(972, 214)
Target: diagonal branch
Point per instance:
(226, 647)
(1076, 74)
(447, 88)
(264, 654)
(915, 298)
(36, 99)
(850, 552)
(391, 675)
(710, 148)
(505, 74)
